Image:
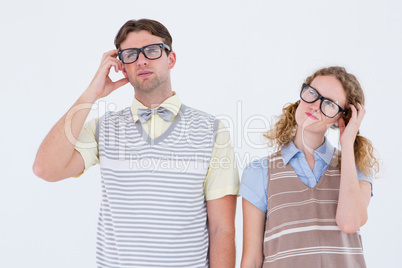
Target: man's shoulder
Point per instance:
(196, 112)
(111, 117)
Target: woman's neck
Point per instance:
(308, 142)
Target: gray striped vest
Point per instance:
(301, 230)
(153, 210)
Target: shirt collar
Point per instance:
(172, 103)
(288, 152)
(325, 152)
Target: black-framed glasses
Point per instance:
(328, 107)
(151, 52)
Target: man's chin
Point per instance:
(145, 86)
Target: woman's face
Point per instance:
(309, 116)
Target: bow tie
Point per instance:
(145, 114)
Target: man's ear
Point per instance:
(172, 59)
(124, 71)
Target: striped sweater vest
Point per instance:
(153, 209)
(301, 230)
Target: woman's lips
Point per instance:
(311, 116)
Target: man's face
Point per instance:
(147, 76)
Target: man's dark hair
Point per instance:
(152, 26)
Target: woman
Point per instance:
(304, 204)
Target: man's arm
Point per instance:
(221, 223)
(56, 158)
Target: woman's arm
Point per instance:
(354, 196)
(253, 235)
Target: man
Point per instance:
(169, 187)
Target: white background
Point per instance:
(235, 59)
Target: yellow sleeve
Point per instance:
(222, 176)
(87, 146)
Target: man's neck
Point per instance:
(152, 101)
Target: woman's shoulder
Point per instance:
(261, 164)
(256, 171)
(254, 182)
(257, 165)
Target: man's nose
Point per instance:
(142, 60)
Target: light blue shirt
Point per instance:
(254, 180)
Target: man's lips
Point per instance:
(144, 74)
(311, 116)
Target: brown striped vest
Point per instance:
(301, 230)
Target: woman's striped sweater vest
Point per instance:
(301, 230)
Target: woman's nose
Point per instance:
(315, 106)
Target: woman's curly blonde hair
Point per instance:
(285, 127)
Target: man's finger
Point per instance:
(112, 53)
(120, 83)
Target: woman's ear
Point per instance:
(347, 116)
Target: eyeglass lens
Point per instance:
(328, 107)
(151, 52)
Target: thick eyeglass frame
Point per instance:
(322, 98)
(138, 50)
